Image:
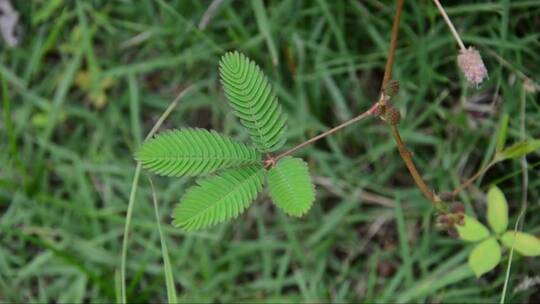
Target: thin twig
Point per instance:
(326, 133)
(471, 179)
(450, 25)
(407, 159)
(403, 152)
(393, 44)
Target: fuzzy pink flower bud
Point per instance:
(470, 62)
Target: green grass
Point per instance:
(66, 165)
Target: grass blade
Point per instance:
(169, 279)
(264, 27)
(134, 186)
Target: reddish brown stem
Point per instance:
(324, 134)
(403, 152)
(393, 43)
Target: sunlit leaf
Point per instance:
(519, 149)
(485, 256)
(497, 210)
(472, 230)
(524, 243)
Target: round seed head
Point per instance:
(392, 116)
(471, 64)
(457, 207)
(391, 88)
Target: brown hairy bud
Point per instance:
(457, 207)
(470, 62)
(391, 88)
(392, 115)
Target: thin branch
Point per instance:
(450, 25)
(407, 159)
(326, 133)
(403, 152)
(471, 179)
(393, 44)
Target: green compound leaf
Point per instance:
(218, 198)
(190, 152)
(472, 230)
(251, 96)
(485, 256)
(497, 210)
(290, 186)
(519, 149)
(524, 243)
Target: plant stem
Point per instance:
(393, 44)
(471, 179)
(326, 133)
(402, 148)
(450, 25)
(407, 159)
(403, 152)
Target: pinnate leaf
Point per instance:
(472, 230)
(254, 103)
(219, 197)
(497, 210)
(191, 151)
(290, 186)
(485, 256)
(524, 243)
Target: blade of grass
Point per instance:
(264, 27)
(133, 192)
(524, 187)
(169, 279)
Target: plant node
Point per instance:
(269, 162)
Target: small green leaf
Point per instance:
(290, 186)
(519, 149)
(485, 256)
(191, 152)
(472, 230)
(253, 100)
(497, 210)
(524, 243)
(219, 197)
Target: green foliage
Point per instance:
(290, 186)
(524, 243)
(219, 197)
(69, 194)
(497, 210)
(472, 230)
(190, 152)
(251, 96)
(503, 132)
(519, 149)
(485, 256)
(224, 196)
